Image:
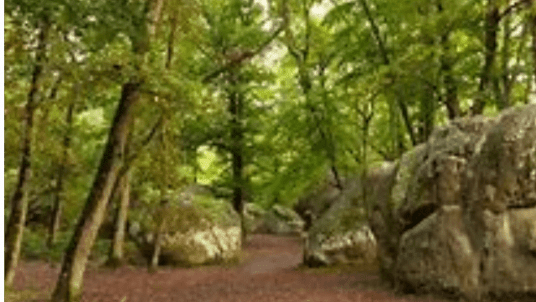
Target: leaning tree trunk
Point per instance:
(69, 285)
(19, 201)
(57, 206)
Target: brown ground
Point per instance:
(269, 273)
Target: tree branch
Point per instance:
(508, 10)
(243, 58)
(130, 159)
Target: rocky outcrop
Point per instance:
(462, 214)
(500, 203)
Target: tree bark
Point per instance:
(120, 222)
(427, 113)
(112, 164)
(452, 103)
(365, 132)
(156, 250)
(57, 206)
(237, 137)
(69, 285)
(19, 200)
(506, 78)
(533, 48)
(159, 233)
(491, 24)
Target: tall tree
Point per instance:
(57, 206)
(237, 38)
(69, 284)
(301, 52)
(19, 201)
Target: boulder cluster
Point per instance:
(457, 214)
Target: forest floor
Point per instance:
(269, 272)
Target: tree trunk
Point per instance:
(506, 79)
(112, 164)
(115, 257)
(156, 250)
(533, 48)
(161, 217)
(528, 88)
(451, 90)
(69, 285)
(427, 112)
(19, 201)
(121, 188)
(365, 191)
(491, 25)
(57, 206)
(301, 56)
(237, 136)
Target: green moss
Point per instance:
(182, 219)
(350, 218)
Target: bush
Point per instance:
(34, 246)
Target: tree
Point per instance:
(236, 37)
(68, 287)
(19, 201)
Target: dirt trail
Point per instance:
(268, 274)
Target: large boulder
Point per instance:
(436, 254)
(430, 175)
(319, 198)
(342, 235)
(282, 221)
(462, 212)
(196, 228)
(500, 204)
(254, 217)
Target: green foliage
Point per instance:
(34, 246)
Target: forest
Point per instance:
(114, 108)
